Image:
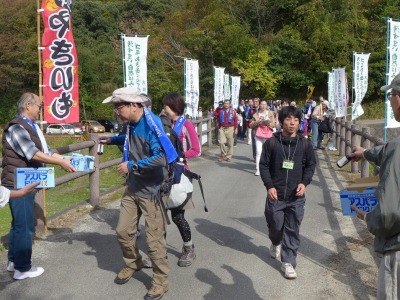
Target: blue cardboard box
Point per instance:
(361, 194)
(83, 163)
(25, 176)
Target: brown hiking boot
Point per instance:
(188, 255)
(124, 275)
(156, 292)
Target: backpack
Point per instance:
(325, 126)
(176, 169)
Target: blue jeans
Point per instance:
(284, 219)
(317, 136)
(21, 232)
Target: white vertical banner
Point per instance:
(394, 68)
(227, 87)
(192, 90)
(331, 89)
(218, 85)
(235, 90)
(360, 79)
(135, 62)
(340, 92)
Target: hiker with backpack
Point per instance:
(287, 165)
(174, 108)
(147, 152)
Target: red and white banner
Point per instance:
(60, 64)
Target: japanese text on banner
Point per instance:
(60, 64)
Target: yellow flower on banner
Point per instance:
(51, 5)
(48, 63)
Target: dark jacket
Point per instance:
(271, 164)
(11, 160)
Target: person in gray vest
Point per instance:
(24, 146)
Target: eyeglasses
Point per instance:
(391, 94)
(118, 109)
(40, 106)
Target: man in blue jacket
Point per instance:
(147, 151)
(287, 165)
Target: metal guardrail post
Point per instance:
(94, 178)
(365, 144)
(354, 142)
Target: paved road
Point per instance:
(334, 261)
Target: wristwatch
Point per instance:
(135, 167)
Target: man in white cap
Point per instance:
(384, 220)
(317, 116)
(146, 154)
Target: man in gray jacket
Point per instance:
(384, 220)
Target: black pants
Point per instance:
(284, 219)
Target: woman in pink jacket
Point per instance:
(174, 108)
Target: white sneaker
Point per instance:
(33, 272)
(275, 251)
(289, 271)
(10, 266)
(257, 173)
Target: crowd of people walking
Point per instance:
(282, 140)
(255, 120)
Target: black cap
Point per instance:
(221, 103)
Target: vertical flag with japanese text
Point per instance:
(393, 69)
(192, 87)
(227, 87)
(331, 89)
(218, 85)
(135, 62)
(60, 64)
(360, 79)
(235, 90)
(340, 92)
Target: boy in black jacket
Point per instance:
(287, 165)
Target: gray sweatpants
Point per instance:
(389, 276)
(284, 220)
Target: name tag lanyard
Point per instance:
(287, 163)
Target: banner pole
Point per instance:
(352, 87)
(123, 57)
(387, 75)
(39, 44)
(184, 77)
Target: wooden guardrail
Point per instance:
(350, 135)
